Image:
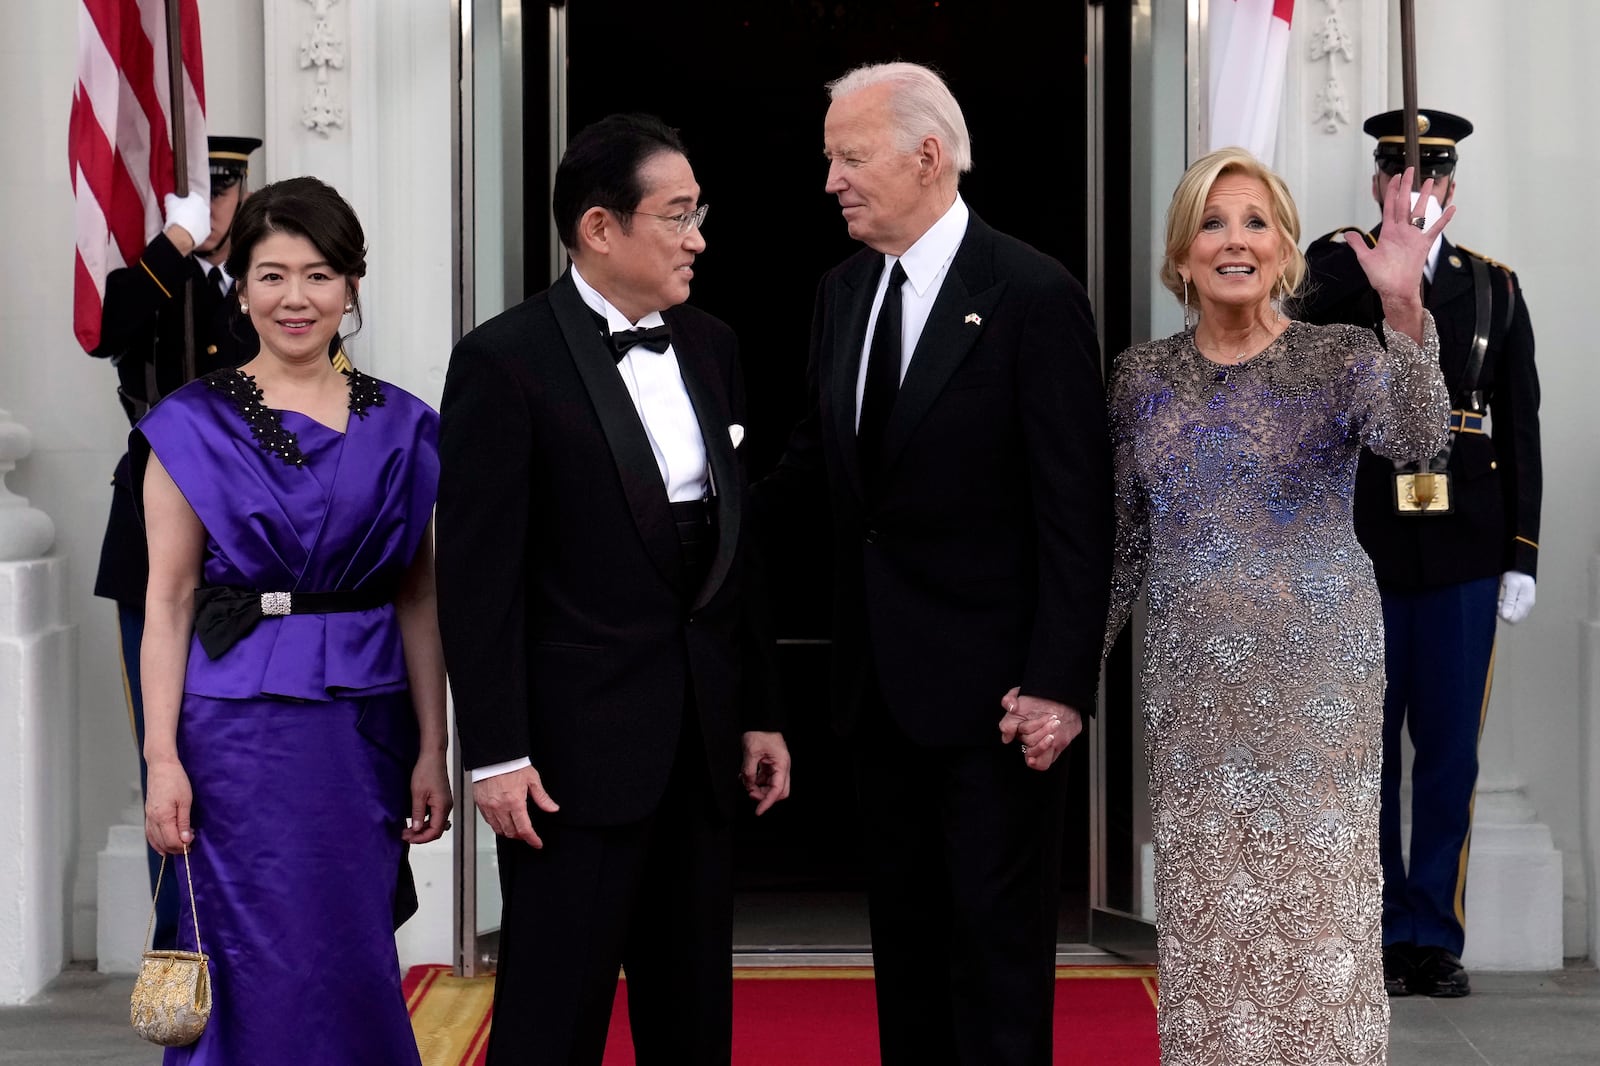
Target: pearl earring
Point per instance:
(244, 308)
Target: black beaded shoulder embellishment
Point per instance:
(266, 425)
(365, 391)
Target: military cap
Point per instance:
(230, 160)
(1437, 134)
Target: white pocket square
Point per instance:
(736, 434)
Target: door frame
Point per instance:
(1110, 928)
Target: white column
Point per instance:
(38, 713)
(1589, 731)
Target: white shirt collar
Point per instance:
(1433, 258)
(925, 260)
(616, 321)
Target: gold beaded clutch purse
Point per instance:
(172, 997)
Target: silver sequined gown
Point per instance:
(1263, 680)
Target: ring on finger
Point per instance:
(1420, 221)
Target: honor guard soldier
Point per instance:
(1452, 541)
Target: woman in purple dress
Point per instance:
(293, 681)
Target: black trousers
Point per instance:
(654, 898)
(964, 850)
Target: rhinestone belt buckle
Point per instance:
(275, 604)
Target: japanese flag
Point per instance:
(1247, 53)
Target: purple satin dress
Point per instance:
(299, 740)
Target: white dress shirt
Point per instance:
(655, 384)
(926, 263)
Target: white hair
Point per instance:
(920, 103)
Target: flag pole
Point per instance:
(180, 165)
(1408, 88)
(180, 133)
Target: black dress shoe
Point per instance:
(1399, 968)
(1440, 974)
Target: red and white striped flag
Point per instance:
(119, 147)
(1247, 54)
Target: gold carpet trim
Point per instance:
(450, 1017)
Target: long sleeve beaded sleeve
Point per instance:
(1132, 541)
(1399, 394)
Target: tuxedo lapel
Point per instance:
(630, 447)
(966, 298)
(712, 412)
(857, 287)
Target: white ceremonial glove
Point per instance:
(1516, 596)
(192, 212)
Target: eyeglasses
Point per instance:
(684, 221)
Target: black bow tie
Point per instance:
(656, 339)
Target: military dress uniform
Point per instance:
(1439, 569)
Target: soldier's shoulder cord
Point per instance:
(1509, 279)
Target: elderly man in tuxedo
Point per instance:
(957, 432)
(592, 586)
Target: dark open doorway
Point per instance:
(743, 80)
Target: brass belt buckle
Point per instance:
(1422, 493)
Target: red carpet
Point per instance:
(810, 1016)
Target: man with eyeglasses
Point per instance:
(594, 586)
(1452, 541)
(957, 433)
(177, 287)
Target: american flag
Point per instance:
(119, 147)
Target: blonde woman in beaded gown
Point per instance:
(1236, 444)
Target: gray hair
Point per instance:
(920, 103)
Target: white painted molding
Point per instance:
(322, 48)
(1332, 42)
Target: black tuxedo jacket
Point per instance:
(979, 556)
(1496, 482)
(570, 633)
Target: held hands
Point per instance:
(1043, 727)
(503, 799)
(1516, 596)
(192, 212)
(168, 799)
(1394, 267)
(430, 800)
(765, 773)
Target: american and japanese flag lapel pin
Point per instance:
(973, 319)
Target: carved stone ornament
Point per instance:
(321, 49)
(1333, 42)
(25, 532)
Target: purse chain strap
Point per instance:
(194, 911)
